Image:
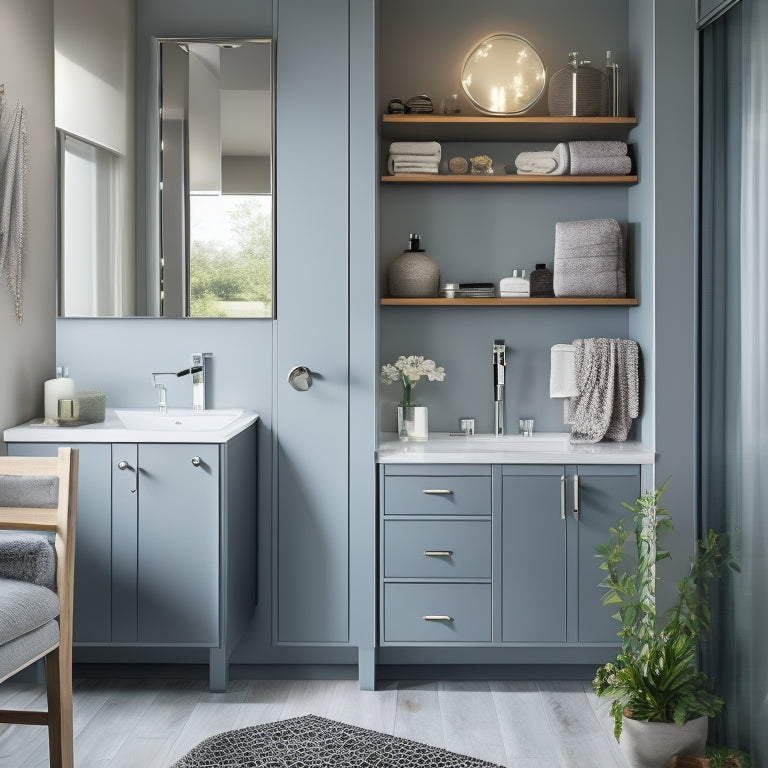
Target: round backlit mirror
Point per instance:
(503, 75)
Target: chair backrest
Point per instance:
(40, 494)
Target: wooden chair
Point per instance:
(39, 494)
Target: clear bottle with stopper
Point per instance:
(577, 90)
(413, 274)
(612, 71)
(62, 387)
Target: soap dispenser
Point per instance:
(413, 274)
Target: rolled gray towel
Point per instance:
(597, 148)
(601, 166)
(28, 557)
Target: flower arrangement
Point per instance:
(408, 370)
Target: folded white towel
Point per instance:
(554, 163)
(597, 148)
(514, 286)
(394, 161)
(414, 148)
(401, 167)
(562, 371)
(601, 166)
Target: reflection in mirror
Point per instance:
(216, 200)
(503, 75)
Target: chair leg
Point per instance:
(60, 735)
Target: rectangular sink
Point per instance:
(177, 419)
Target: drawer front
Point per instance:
(459, 613)
(437, 549)
(435, 495)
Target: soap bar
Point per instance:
(82, 408)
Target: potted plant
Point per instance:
(725, 757)
(407, 370)
(654, 683)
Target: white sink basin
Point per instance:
(176, 419)
(543, 443)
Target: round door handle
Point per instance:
(196, 461)
(124, 465)
(300, 378)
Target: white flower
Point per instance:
(408, 370)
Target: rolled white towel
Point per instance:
(554, 163)
(562, 375)
(415, 148)
(394, 160)
(597, 148)
(601, 166)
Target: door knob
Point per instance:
(124, 465)
(300, 378)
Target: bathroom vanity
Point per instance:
(489, 542)
(166, 528)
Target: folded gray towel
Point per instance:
(589, 259)
(597, 148)
(601, 166)
(28, 557)
(608, 383)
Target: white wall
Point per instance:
(27, 350)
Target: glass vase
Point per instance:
(412, 422)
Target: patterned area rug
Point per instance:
(314, 742)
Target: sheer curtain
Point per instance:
(734, 359)
(754, 367)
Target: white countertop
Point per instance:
(178, 425)
(540, 448)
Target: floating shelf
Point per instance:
(506, 302)
(434, 178)
(481, 128)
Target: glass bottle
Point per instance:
(612, 72)
(577, 90)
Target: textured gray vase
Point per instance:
(413, 275)
(653, 745)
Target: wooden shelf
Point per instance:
(507, 302)
(484, 128)
(435, 178)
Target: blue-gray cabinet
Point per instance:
(552, 518)
(497, 555)
(165, 544)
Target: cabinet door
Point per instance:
(601, 491)
(178, 544)
(533, 554)
(93, 546)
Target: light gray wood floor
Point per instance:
(152, 723)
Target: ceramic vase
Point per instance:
(412, 422)
(653, 745)
(413, 274)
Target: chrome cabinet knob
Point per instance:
(196, 461)
(300, 378)
(124, 465)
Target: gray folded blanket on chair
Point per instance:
(607, 379)
(28, 557)
(589, 259)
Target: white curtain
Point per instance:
(754, 370)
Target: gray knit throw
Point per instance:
(13, 199)
(28, 557)
(608, 382)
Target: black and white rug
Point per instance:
(314, 742)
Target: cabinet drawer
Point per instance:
(462, 613)
(437, 549)
(436, 495)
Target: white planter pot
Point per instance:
(412, 422)
(653, 745)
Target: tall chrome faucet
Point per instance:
(499, 363)
(197, 368)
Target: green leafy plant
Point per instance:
(725, 757)
(654, 677)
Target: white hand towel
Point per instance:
(414, 148)
(401, 167)
(554, 163)
(398, 160)
(562, 375)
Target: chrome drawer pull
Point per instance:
(437, 618)
(437, 491)
(576, 496)
(562, 497)
(438, 552)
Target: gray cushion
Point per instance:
(16, 654)
(28, 557)
(29, 491)
(24, 608)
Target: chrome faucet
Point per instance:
(499, 363)
(198, 370)
(162, 392)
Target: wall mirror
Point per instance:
(503, 75)
(203, 243)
